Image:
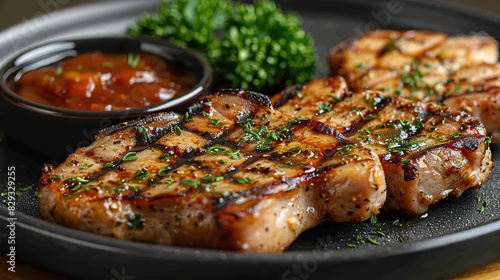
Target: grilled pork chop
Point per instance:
(428, 151)
(232, 174)
(460, 71)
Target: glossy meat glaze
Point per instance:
(460, 71)
(428, 151)
(232, 173)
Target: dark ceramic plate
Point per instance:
(453, 238)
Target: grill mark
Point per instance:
(380, 106)
(189, 158)
(169, 116)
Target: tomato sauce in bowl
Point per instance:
(105, 82)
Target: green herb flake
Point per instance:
(133, 188)
(165, 157)
(483, 206)
(187, 117)
(25, 188)
(59, 71)
(163, 171)
(141, 174)
(454, 135)
(135, 221)
(351, 245)
(190, 182)
(109, 165)
(131, 156)
(215, 122)
(344, 150)
(243, 180)
(324, 107)
(133, 60)
(76, 179)
(168, 182)
(397, 223)
(177, 130)
(372, 241)
(85, 166)
(373, 220)
(77, 187)
(401, 239)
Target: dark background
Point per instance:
(12, 12)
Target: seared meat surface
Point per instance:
(232, 173)
(461, 71)
(428, 151)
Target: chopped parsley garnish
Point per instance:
(59, 71)
(130, 156)
(141, 174)
(365, 131)
(25, 188)
(243, 180)
(324, 107)
(85, 166)
(177, 130)
(190, 182)
(135, 221)
(215, 122)
(344, 150)
(133, 61)
(222, 150)
(397, 223)
(163, 171)
(372, 241)
(168, 182)
(455, 135)
(165, 157)
(187, 117)
(77, 179)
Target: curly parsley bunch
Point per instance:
(251, 46)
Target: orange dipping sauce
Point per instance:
(105, 82)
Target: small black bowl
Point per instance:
(54, 132)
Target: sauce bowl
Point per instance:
(53, 131)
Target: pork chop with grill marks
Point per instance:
(232, 173)
(460, 71)
(428, 151)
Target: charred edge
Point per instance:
(169, 116)
(469, 143)
(258, 98)
(287, 94)
(326, 129)
(410, 169)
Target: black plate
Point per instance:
(453, 238)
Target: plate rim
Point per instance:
(69, 234)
